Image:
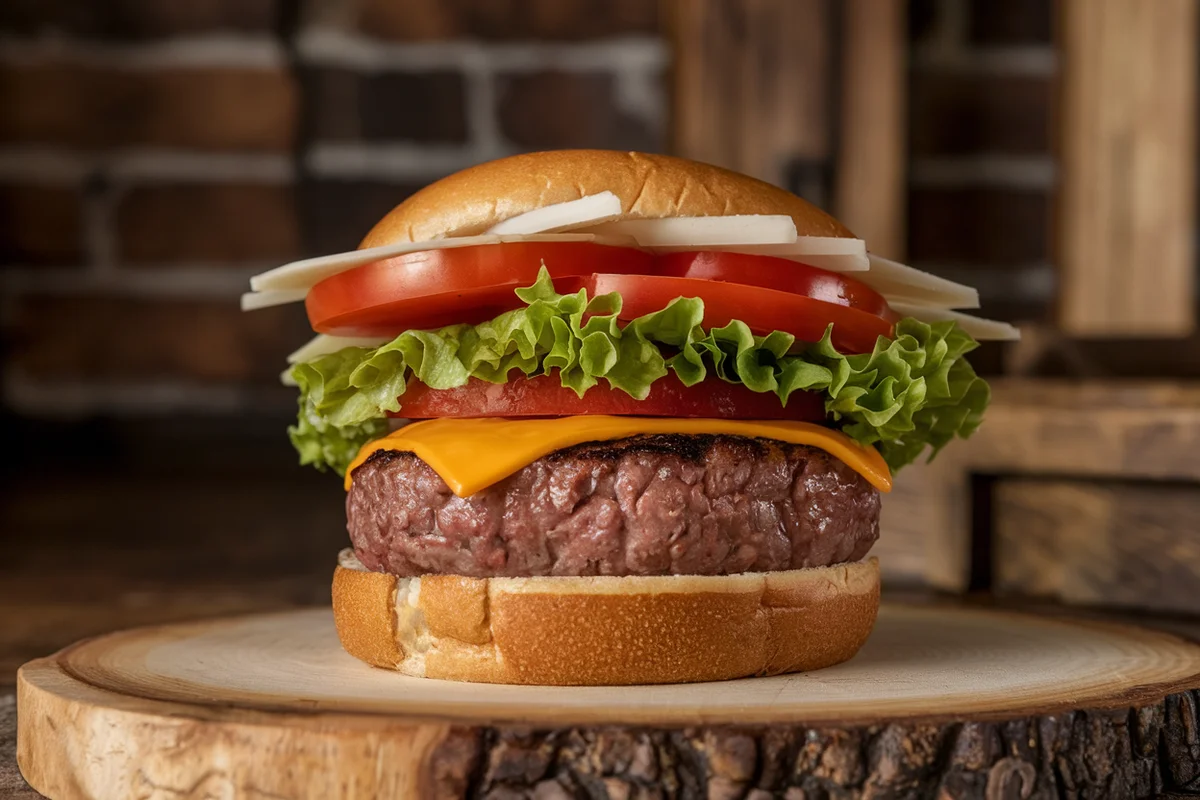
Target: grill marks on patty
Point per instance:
(645, 505)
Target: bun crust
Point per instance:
(649, 187)
(606, 630)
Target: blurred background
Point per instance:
(154, 154)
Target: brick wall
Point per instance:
(981, 169)
(154, 155)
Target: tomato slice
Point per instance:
(774, 273)
(545, 396)
(432, 288)
(425, 312)
(764, 310)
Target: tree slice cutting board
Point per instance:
(945, 702)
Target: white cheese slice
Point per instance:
(309, 272)
(743, 229)
(590, 210)
(980, 328)
(834, 253)
(323, 345)
(252, 301)
(770, 235)
(907, 284)
(801, 245)
(848, 263)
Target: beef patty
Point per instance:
(645, 505)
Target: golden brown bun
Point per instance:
(649, 187)
(605, 630)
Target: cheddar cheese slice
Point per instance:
(472, 454)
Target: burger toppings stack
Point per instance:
(612, 418)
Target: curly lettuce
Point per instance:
(911, 393)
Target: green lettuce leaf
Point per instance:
(912, 392)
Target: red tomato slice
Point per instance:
(389, 318)
(764, 310)
(545, 396)
(432, 288)
(774, 273)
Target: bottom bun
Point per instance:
(594, 631)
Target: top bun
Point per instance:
(469, 202)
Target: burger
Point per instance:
(617, 418)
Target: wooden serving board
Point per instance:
(966, 703)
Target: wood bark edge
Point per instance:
(1133, 750)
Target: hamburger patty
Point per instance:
(645, 505)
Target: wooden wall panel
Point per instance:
(1059, 431)
(751, 83)
(1128, 160)
(757, 89)
(870, 182)
(1104, 544)
(925, 525)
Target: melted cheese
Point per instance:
(472, 454)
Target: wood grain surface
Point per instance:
(751, 83)
(869, 189)
(1095, 430)
(1128, 150)
(1099, 543)
(969, 703)
(1046, 352)
(12, 785)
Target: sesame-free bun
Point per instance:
(649, 187)
(605, 630)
